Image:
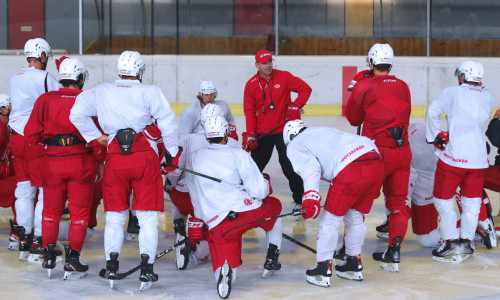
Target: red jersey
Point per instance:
(379, 102)
(261, 93)
(50, 118)
(5, 156)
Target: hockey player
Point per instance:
(492, 174)
(124, 109)
(25, 87)
(382, 103)
(462, 158)
(182, 206)
(245, 198)
(353, 166)
(190, 117)
(70, 167)
(268, 105)
(8, 181)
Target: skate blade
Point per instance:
(132, 237)
(111, 284)
(319, 280)
(70, 275)
(23, 256)
(146, 285)
(452, 259)
(181, 261)
(268, 273)
(356, 276)
(390, 267)
(383, 235)
(13, 245)
(49, 272)
(224, 285)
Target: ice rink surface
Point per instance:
(419, 276)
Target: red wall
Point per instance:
(22, 15)
(253, 17)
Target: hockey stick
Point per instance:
(291, 239)
(120, 276)
(296, 213)
(192, 172)
(260, 137)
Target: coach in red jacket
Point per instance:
(268, 106)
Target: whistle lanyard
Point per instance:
(264, 96)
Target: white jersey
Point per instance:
(468, 109)
(190, 118)
(124, 104)
(423, 166)
(25, 87)
(242, 188)
(322, 152)
(190, 143)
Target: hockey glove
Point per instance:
(153, 133)
(293, 112)
(248, 143)
(171, 161)
(196, 230)
(360, 76)
(268, 178)
(232, 132)
(441, 140)
(311, 204)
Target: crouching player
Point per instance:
(241, 197)
(352, 164)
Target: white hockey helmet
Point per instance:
(210, 110)
(71, 68)
(380, 54)
(130, 63)
(215, 127)
(4, 100)
(35, 48)
(292, 128)
(207, 87)
(472, 70)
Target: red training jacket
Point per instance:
(277, 90)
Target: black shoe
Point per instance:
(74, 268)
(383, 229)
(321, 274)
(350, 264)
(112, 266)
(466, 247)
(37, 245)
(339, 253)
(224, 282)
(147, 276)
(50, 256)
(392, 255)
(272, 263)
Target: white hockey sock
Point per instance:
(430, 240)
(38, 214)
(448, 215)
(275, 235)
(355, 229)
(25, 196)
(327, 235)
(148, 235)
(470, 214)
(113, 231)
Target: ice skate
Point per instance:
(272, 263)
(24, 242)
(486, 229)
(466, 248)
(182, 251)
(13, 238)
(36, 251)
(383, 230)
(448, 252)
(50, 258)
(111, 271)
(321, 274)
(391, 257)
(147, 277)
(132, 227)
(74, 268)
(224, 282)
(339, 253)
(350, 268)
